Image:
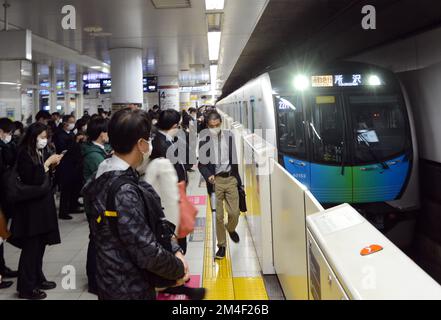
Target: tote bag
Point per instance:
(187, 213)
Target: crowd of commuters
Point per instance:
(111, 163)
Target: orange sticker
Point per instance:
(371, 249)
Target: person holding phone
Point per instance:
(35, 223)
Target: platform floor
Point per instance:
(237, 277)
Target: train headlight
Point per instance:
(301, 82)
(374, 80)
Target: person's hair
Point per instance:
(155, 107)
(126, 127)
(57, 114)
(19, 126)
(81, 123)
(167, 119)
(95, 127)
(213, 115)
(191, 110)
(42, 114)
(6, 125)
(29, 141)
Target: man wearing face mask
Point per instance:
(69, 170)
(219, 166)
(128, 254)
(8, 155)
(168, 129)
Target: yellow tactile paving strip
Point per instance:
(249, 289)
(218, 276)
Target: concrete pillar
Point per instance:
(66, 87)
(169, 93)
(127, 73)
(36, 92)
(80, 97)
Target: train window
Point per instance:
(327, 130)
(291, 126)
(379, 127)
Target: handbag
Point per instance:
(187, 213)
(15, 191)
(4, 232)
(242, 199)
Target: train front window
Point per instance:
(379, 127)
(291, 126)
(327, 130)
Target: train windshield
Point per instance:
(379, 127)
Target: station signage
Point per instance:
(339, 80)
(149, 84)
(322, 81)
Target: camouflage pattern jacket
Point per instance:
(127, 262)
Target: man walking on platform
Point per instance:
(219, 167)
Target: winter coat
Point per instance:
(127, 260)
(36, 217)
(161, 175)
(93, 155)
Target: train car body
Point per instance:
(345, 131)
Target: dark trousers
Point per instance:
(91, 261)
(67, 198)
(30, 267)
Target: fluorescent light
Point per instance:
(213, 76)
(374, 80)
(301, 82)
(215, 4)
(9, 83)
(214, 39)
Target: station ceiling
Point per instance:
(174, 40)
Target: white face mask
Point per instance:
(145, 160)
(70, 127)
(154, 122)
(85, 128)
(215, 131)
(7, 139)
(75, 131)
(17, 133)
(41, 143)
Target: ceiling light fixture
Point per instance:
(214, 39)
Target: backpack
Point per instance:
(163, 229)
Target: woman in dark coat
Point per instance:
(35, 222)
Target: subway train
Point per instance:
(345, 130)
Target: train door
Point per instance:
(291, 133)
(331, 174)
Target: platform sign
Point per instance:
(106, 86)
(322, 81)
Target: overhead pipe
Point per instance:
(6, 5)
